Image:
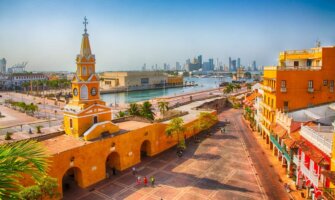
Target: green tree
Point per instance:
(176, 126)
(146, 110)
(134, 109)
(25, 85)
(247, 75)
(249, 86)
(120, 114)
(237, 86)
(206, 120)
(228, 89)
(24, 157)
(163, 106)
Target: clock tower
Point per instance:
(86, 110)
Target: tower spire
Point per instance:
(85, 23)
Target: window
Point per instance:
(71, 125)
(83, 71)
(83, 92)
(95, 119)
(331, 85)
(310, 84)
(325, 82)
(144, 81)
(309, 63)
(271, 102)
(296, 63)
(285, 106)
(283, 84)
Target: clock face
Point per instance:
(75, 92)
(94, 91)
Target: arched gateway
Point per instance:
(71, 180)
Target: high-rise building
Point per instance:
(238, 63)
(254, 67)
(233, 66)
(144, 67)
(200, 60)
(3, 65)
(229, 65)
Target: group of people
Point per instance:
(145, 179)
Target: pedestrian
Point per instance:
(152, 180)
(145, 181)
(138, 180)
(133, 171)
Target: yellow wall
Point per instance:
(90, 159)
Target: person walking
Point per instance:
(152, 180)
(138, 180)
(134, 171)
(145, 181)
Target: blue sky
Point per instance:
(125, 34)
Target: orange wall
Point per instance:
(297, 84)
(90, 159)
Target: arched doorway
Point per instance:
(112, 164)
(145, 149)
(71, 180)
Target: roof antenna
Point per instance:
(318, 43)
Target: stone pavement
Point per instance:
(217, 168)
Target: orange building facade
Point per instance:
(303, 78)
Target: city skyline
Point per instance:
(129, 33)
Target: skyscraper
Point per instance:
(3, 65)
(254, 68)
(178, 66)
(238, 63)
(200, 60)
(233, 65)
(229, 66)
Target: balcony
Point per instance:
(283, 89)
(314, 178)
(310, 90)
(268, 88)
(320, 136)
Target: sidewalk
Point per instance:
(276, 164)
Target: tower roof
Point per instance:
(85, 49)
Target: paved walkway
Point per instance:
(217, 168)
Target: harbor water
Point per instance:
(136, 96)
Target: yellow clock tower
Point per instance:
(87, 115)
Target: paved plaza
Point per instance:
(219, 167)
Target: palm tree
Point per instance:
(229, 88)
(176, 126)
(24, 157)
(134, 109)
(237, 86)
(163, 106)
(146, 110)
